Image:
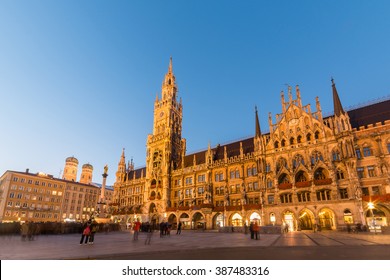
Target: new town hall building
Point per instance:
(308, 170)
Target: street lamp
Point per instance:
(371, 206)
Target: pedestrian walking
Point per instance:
(251, 230)
(149, 234)
(94, 227)
(136, 228)
(24, 230)
(256, 230)
(179, 225)
(85, 234)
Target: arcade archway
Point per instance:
(198, 221)
(305, 221)
(326, 219)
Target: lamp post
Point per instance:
(371, 206)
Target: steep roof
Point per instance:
(370, 114)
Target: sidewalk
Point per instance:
(54, 247)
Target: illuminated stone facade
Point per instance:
(42, 198)
(308, 170)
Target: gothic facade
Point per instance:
(308, 170)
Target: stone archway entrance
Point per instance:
(236, 220)
(185, 220)
(326, 219)
(172, 220)
(289, 220)
(198, 221)
(218, 221)
(305, 221)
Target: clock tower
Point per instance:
(164, 147)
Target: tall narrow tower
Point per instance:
(86, 174)
(165, 145)
(70, 170)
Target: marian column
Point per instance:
(102, 202)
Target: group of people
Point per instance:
(29, 230)
(89, 230)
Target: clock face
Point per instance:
(293, 121)
(161, 114)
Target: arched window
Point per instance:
(340, 174)
(336, 155)
(308, 137)
(317, 135)
(281, 163)
(276, 144)
(299, 139)
(283, 179)
(319, 174)
(300, 177)
(292, 140)
(315, 157)
(268, 167)
(298, 160)
(283, 143)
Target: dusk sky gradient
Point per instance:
(79, 78)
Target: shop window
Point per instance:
(271, 199)
(348, 219)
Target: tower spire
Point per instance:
(258, 130)
(170, 65)
(338, 108)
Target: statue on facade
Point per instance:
(106, 169)
(358, 193)
(243, 195)
(227, 199)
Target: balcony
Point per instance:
(320, 182)
(233, 208)
(303, 184)
(285, 186)
(252, 206)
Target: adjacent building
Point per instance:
(40, 197)
(308, 170)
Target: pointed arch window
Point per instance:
(268, 167)
(340, 174)
(298, 160)
(336, 155)
(280, 164)
(315, 157)
(276, 144)
(292, 141)
(299, 139)
(308, 137)
(283, 143)
(317, 135)
(269, 183)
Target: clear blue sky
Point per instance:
(79, 78)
